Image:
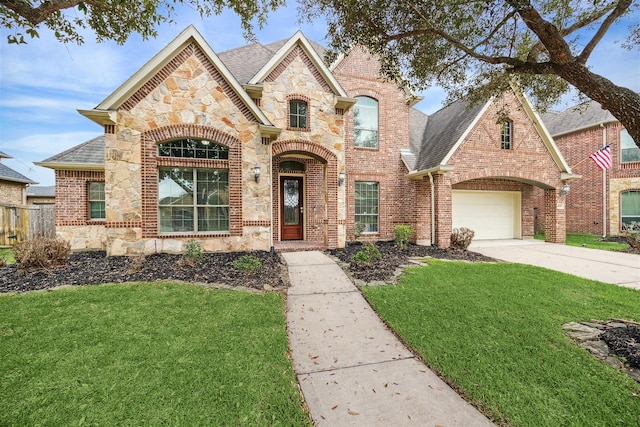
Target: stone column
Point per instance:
(443, 206)
(555, 218)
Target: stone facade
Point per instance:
(13, 193)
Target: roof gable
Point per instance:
(298, 45)
(188, 42)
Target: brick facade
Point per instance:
(585, 210)
(13, 193)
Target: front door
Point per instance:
(291, 208)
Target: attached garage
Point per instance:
(490, 214)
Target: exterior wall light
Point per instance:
(565, 190)
(256, 172)
(341, 178)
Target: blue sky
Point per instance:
(43, 83)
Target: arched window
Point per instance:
(193, 200)
(506, 135)
(365, 122)
(630, 210)
(194, 149)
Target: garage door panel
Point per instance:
(491, 215)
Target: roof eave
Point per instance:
(71, 166)
(580, 129)
(101, 117)
(567, 176)
(18, 180)
(436, 170)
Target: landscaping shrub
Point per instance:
(461, 238)
(633, 235)
(402, 234)
(247, 263)
(368, 255)
(193, 253)
(41, 253)
(358, 230)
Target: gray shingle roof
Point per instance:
(89, 152)
(440, 132)
(244, 62)
(583, 116)
(41, 191)
(8, 174)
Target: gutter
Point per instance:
(433, 210)
(604, 185)
(440, 169)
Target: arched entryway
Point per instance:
(305, 195)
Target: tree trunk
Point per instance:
(622, 102)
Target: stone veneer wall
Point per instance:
(322, 141)
(584, 201)
(187, 98)
(13, 193)
(359, 75)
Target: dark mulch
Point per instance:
(625, 342)
(91, 268)
(393, 258)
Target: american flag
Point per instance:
(602, 158)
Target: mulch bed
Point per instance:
(91, 268)
(385, 269)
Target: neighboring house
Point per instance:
(264, 145)
(41, 195)
(13, 185)
(604, 201)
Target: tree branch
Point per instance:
(39, 14)
(621, 7)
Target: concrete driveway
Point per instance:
(605, 266)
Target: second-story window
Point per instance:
(628, 148)
(365, 122)
(298, 114)
(506, 135)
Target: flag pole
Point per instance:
(588, 158)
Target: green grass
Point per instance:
(7, 254)
(146, 354)
(592, 241)
(495, 332)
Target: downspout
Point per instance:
(604, 186)
(272, 248)
(433, 210)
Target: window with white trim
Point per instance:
(630, 210)
(365, 122)
(366, 206)
(298, 114)
(506, 135)
(629, 151)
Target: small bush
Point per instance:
(3, 261)
(403, 233)
(461, 238)
(358, 230)
(633, 235)
(41, 253)
(193, 253)
(247, 263)
(368, 255)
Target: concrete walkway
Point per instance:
(352, 370)
(605, 266)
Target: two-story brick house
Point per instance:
(604, 201)
(264, 145)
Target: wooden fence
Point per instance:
(18, 223)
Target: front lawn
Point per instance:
(592, 241)
(494, 331)
(7, 255)
(146, 354)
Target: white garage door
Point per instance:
(491, 214)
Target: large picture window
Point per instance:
(630, 210)
(96, 201)
(366, 206)
(193, 200)
(628, 148)
(365, 122)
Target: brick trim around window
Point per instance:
(307, 101)
(151, 162)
